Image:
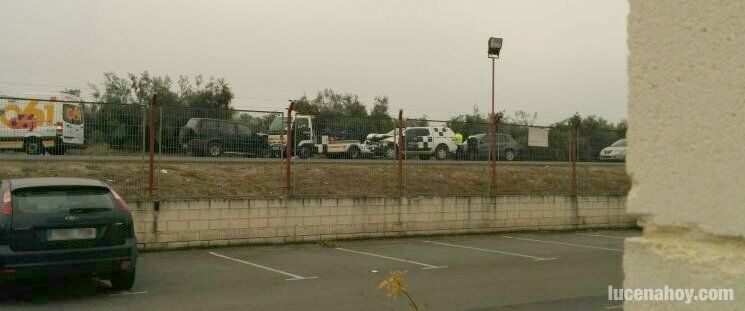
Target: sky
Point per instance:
(429, 57)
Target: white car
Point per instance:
(424, 142)
(614, 152)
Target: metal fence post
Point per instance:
(495, 119)
(573, 153)
(288, 152)
(153, 106)
(143, 111)
(400, 154)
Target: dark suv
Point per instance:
(52, 227)
(478, 147)
(214, 137)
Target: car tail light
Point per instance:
(8, 271)
(119, 201)
(125, 263)
(7, 208)
(59, 129)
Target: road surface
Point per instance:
(510, 271)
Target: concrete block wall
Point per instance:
(686, 126)
(220, 222)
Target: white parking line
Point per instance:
(491, 251)
(565, 243)
(126, 293)
(293, 277)
(426, 266)
(602, 235)
(614, 307)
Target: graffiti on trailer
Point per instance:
(29, 117)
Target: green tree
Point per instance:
(381, 121)
(126, 102)
(469, 124)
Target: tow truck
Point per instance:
(307, 142)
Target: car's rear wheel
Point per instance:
(305, 152)
(34, 146)
(353, 152)
(441, 153)
(509, 155)
(391, 152)
(123, 280)
(214, 150)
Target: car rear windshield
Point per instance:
(72, 114)
(45, 200)
(192, 124)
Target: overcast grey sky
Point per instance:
(429, 57)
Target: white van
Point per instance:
(37, 125)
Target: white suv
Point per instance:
(421, 141)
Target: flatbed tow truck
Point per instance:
(308, 143)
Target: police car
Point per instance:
(421, 141)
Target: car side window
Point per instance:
(227, 128)
(210, 128)
(421, 132)
(502, 138)
(243, 130)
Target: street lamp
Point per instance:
(495, 46)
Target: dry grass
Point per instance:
(190, 180)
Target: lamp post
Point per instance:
(495, 46)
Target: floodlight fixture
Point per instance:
(495, 45)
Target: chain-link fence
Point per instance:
(66, 138)
(198, 152)
(216, 153)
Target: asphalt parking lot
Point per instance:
(514, 271)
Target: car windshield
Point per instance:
(45, 200)
(619, 143)
(278, 124)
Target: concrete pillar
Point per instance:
(687, 149)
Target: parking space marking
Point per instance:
(426, 266)
(490, 251)
(565, 243)
(602, 235)
(126, 293)
(293, 277)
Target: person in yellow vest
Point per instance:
(459, 143)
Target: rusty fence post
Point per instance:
(288, 151)
(495, 119)
(573, 153)
(400, 154)
(153, 106)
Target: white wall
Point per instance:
(686, 154)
